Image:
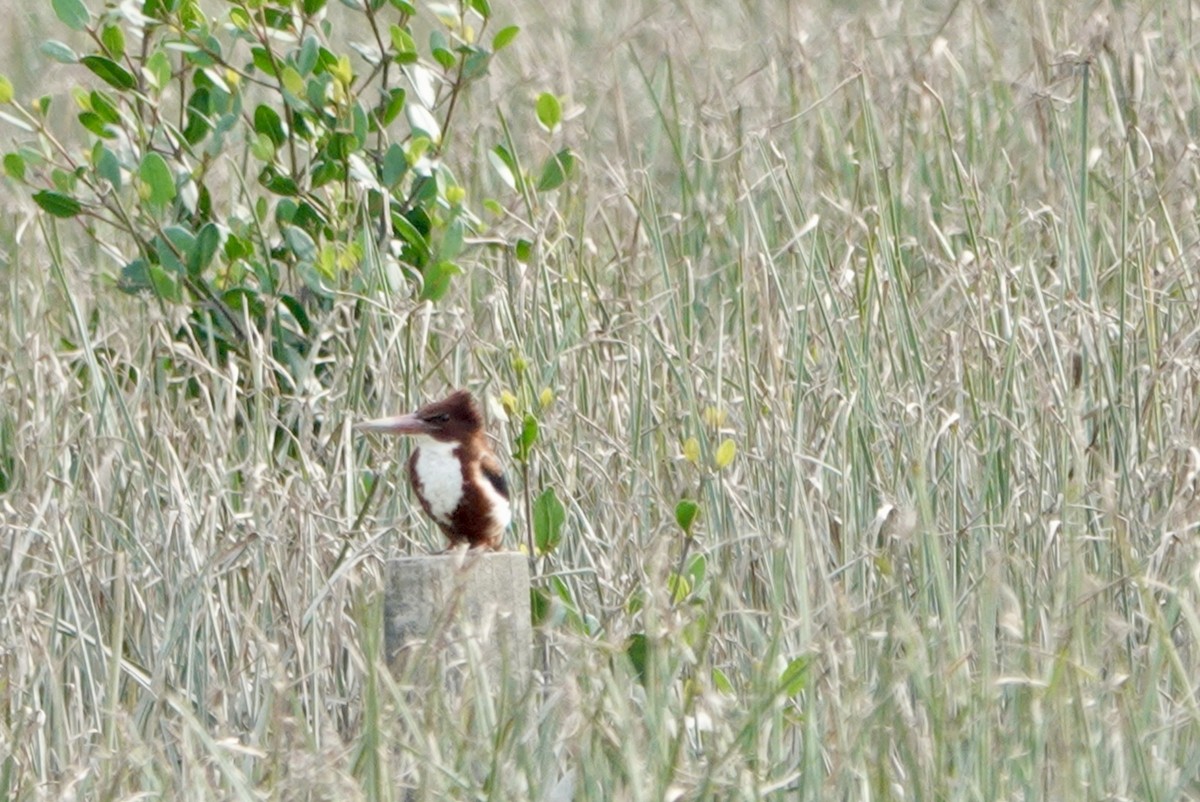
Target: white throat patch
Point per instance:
(441, 476)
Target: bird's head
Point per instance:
(454, 418)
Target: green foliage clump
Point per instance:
(250, 165)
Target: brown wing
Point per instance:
(492, 472)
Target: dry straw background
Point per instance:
(932, 267)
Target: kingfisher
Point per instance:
(453, 471)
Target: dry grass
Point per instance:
(934, 273)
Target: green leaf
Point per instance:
(395, 165)
(389, 109)
(549, 111)
(108, 166)
(240, 19)
(504, 37)
(262, 148)
(203, 249)
(402, 41)
(58, 52)
(14, 166)
(277, 182)
(341, 146)
(92, 122)
(686, 512)
(72, 13)
(440, 50)
(483, 8)
(6, 90)
(795, 677)
(548, 517)
(293, 81)
(504, 165)
(113, 39)
(175, 242)
(297, 310)
(637, 649)
(679, 586)
(570, 610)
(56, 203)
(263, 61)
(157, 180)
(437, 280)
(135, 276)
(268, 122)
(721, 682)
(110, 71)
(105, 108)
(199, 111)
(307, 59)
(556, 170)
(158, 67)
(64, 181)
(300, 243)
(422, 121)
(164, 284)
(475, 63)
(539, 606)
(452, 241)
(524, 251)
(529, 436)
(417, 252)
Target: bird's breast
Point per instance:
(438, 477)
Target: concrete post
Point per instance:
(448, 613)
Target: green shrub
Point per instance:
(249, 166)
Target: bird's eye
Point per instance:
(442, 417)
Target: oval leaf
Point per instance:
(548, 517)
(14, 166)
(110, 71)
(504, 37)
(157, 178)
(113, 38)
(637, 649)
(795, 677)
(685, 514)
(549, 111)
(437, 280)
(57, 204)
(422, 121)
(529, 436)
(58, 51)
(203, 248)
(556, 170)
(72, 13)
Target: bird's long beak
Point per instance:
(397, 424)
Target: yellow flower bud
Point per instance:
(725, 454)
(714, 417)
(509, 402)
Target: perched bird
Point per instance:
(453, 471)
